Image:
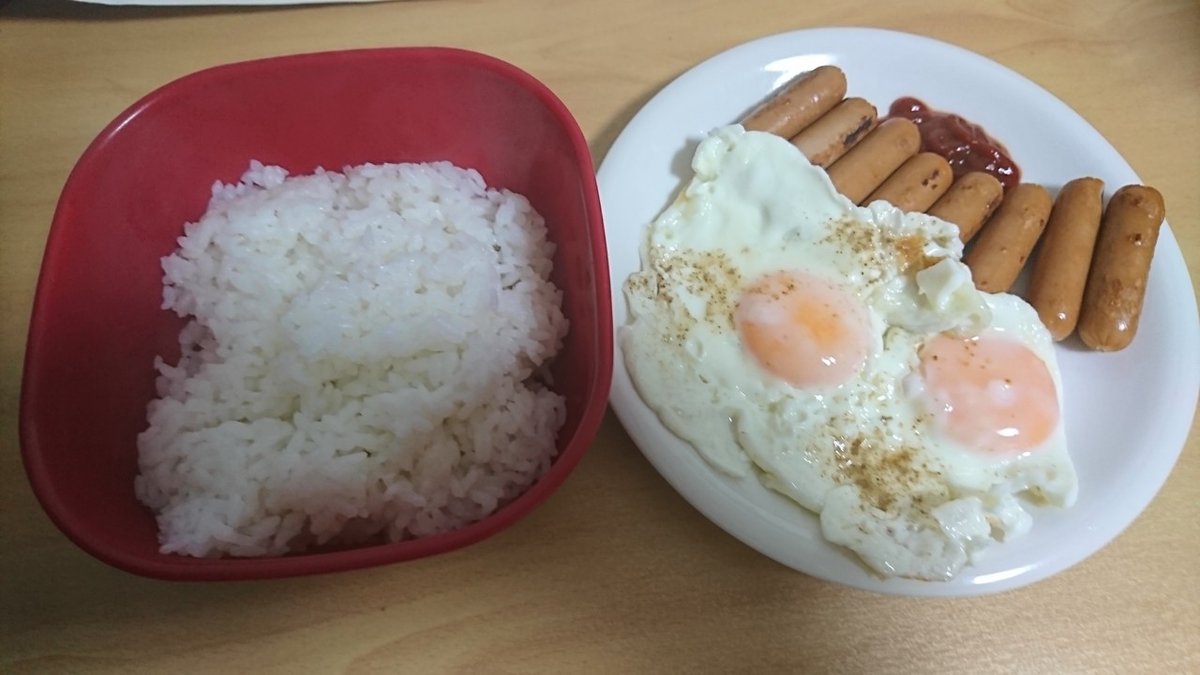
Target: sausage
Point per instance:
(1008, 238)
(869, 163)
(1060, 270)
(969, 202)
(837, 131)
(799, 102)
(917, 184)
(1116, 285)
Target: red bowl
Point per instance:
(97, 325)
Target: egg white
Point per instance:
(860, 455)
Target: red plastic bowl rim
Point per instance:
(191, 569)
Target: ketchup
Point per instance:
(965, 145)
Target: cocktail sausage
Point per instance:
(917, 184)
(969, 202)
(1060, 270)
(799, 102)
(1116, 285)
(838, 130)
(1008, 238)
(868, 164)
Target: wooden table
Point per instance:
(616, 572)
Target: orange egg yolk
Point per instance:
(805, 330)
(990, 394)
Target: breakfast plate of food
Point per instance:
(827, 339)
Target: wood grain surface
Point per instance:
(615, 573)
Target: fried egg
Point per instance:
(842, 356)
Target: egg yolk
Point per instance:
(991, 394)
(803, 329)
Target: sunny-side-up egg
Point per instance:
(842, 356)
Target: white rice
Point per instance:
(365, 360)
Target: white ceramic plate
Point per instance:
(1127, 414)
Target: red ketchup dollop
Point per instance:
(964, 144)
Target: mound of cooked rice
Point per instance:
(365, 359)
